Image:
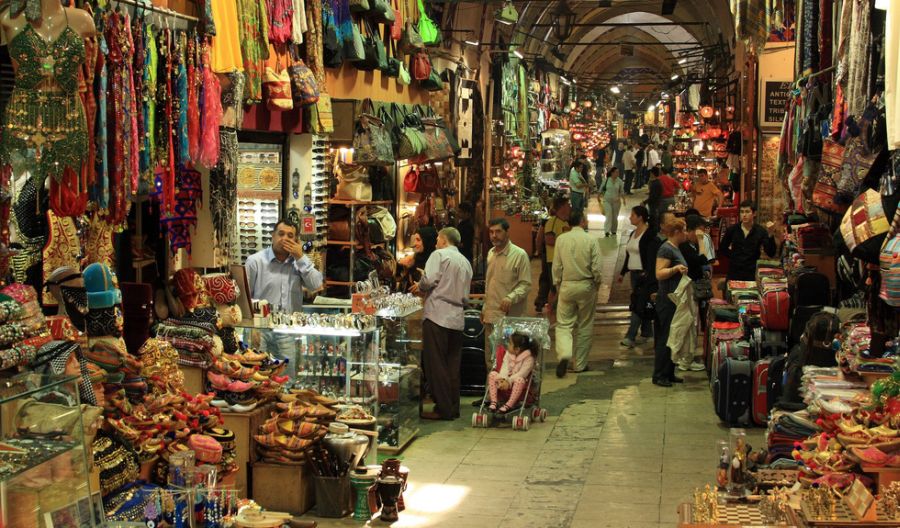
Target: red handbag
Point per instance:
(411, 180)
(832, 153)
(826, 189)
(421, 66)
(397, 26)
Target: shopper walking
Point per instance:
(507, 281)
(629, 163)
(670, 267)
(640, 266)
(668, 187)
(555, 226)
(577, 187)
(665, 159)
(576, 273)
(445, 285)
(613, 194)
(640, 160)
(654, 197)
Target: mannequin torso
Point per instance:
(53, 21)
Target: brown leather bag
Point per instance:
(339, 230)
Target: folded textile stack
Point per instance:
(300, 423)
(223, 293)
(785, 430)
(194, 326)
(825, 391)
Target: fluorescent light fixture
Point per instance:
(574, 81)
(504, 22)
(682, 61)
(674, 76)
(518, 53)
(615, 90)
(471, 42)
(882, 4)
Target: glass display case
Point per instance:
(44, 477)
(399, 380)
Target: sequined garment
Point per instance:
(122, 117)
(148, 98)
(100, 190)
(254, 46)
(44, 129)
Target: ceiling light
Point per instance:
(615, 90)
(682, 61)
(882, 4)
(674, 76)
(651, 108)
(504, 22)
(574, 81)
(471, 42)
(518, 53)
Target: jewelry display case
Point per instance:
(44, 476)
(399, 379)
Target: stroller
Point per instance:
(527, 409)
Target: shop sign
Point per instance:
(775, 100)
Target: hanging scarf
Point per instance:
(180, 102)
(89, 101)
(100, 190)
(165, 169)
(148, 149)
(184, 213)
(122, 113)
(193, 98)
(208, 154)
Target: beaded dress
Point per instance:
(44, 126)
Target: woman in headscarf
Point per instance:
(424, 242)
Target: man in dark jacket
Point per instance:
(743, 242)
(654, 197)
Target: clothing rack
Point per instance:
(814, 74)
(147, 6)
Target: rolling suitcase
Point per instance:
(725, 350)
(472, 373)
(775, 380)
(767, 343)
(760, 391)
(776, 308)
(732, 391)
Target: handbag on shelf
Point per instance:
(353, 183)
(371, 141)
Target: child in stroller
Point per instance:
(512, 372)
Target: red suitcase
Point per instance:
(760, 399)
(776, 307)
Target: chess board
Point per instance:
(843, 517)
(731, 515)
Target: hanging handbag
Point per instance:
(855, 166)
(392, 63)
(397, 25)
(433, 83)
(359, 6)
(332, 42)
(832, 153)
(421, 66)
(890, 271)
(277, 84)
(382, 11)
(353, 183)
(371, 141)
(429, 31)
(825, 191)
(304, 89)
(437, 147)
(354, 46)
(373, 50)
(410, 40)
(403, 77)
(412, 139)
(427, 180)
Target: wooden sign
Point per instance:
(776, 95)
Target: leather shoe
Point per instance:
(662, 383)
(676, 379)
(561, 368)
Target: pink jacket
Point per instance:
(516, 367)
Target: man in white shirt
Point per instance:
(652, 156)
(445, 283)
(507, 281)
(628, 163)
(576, 273)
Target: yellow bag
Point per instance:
(277, 83)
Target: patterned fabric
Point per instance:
(464, 115)
(809, 37)
(254, 46)
(63, 249)
(177, 223)
(281, 14)
(122, 116)
(222, 198)
(314, 39)
(104, 322)
(98, 242)
(859, 67)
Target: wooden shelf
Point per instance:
(338, 283)
(358, 202)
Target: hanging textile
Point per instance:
(281, 15)
(148, 86)
(809, 37)
(100, 191)
(298, 22)
(225, 50)
(859, 57)
(178, 223)
(208, 154)
(63, 248)
(164, 173)
(180, 102)
(463, 115)
(254, 46)
(223, 178)
(826, 29)
(194, 76)
(98, 241)
(89, 100)
(892, 75)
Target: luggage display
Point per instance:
(472, 369)
(767, 343)
(732, 391)
(760, 392)
(812, 289)
(776, 307)
(775, 380)
(726, 350)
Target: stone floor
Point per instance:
(616, 450)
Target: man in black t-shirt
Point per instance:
(743, 242)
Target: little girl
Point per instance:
(515, 368)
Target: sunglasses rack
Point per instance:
(320, 185)
(258, 198)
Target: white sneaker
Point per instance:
(627, 343)
(640, 340)
(684, 368)
(697, 367)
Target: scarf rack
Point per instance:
(147, 6)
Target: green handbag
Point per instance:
(382, 11)
(359, 6)
(412, 138)
(392, 65)
(372, 139)
(428, 30)
(410, 40)
(373, 48)
(508, 14)
(354, 48)
(433, 83)
(403, 77)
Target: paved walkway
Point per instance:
(616, 450)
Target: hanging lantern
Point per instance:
(706, 111)
(565, 19)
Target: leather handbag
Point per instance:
(410, 40)
(856, 164)
(375, 57)
(387, 224)
(433, 83)
(703, 289)
(304, 89)
(437, 147)
(371, 141)
(353, 183)
(354, 46)
(411, 143)
(382, 11)
(397, 25)
(411, 180)
(339, 230)
(403, 77)
(421, 66)
(426, 179)
(825, 191)
(430, 32)
(392, 63)
(277, 84)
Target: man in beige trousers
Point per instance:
(576, 274)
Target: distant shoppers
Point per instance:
(613, 193)
(743, 243)
(411, 267)
(555, 226)
(640, 165)
(670, 266)
(652, 156)
(466, 229)
(507, 281)
(640, 266)
(576, 273)
(665, 159)
(577, 187)
(669, 190)
(654, 197)
(445, 284)
(707, 195)
(630, 163)
(618, 156)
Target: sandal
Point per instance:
(503, 409)
(492, 407)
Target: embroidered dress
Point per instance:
(148, 103)
(254, 46)
(100, 190)
(44, 127)
(122, 114)
(225, 51)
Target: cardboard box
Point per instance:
(244, 426)
(283, 488)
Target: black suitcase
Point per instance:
(767, 343)
(472, 372)
(733, 392)
(811, 289)
(776, 379)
